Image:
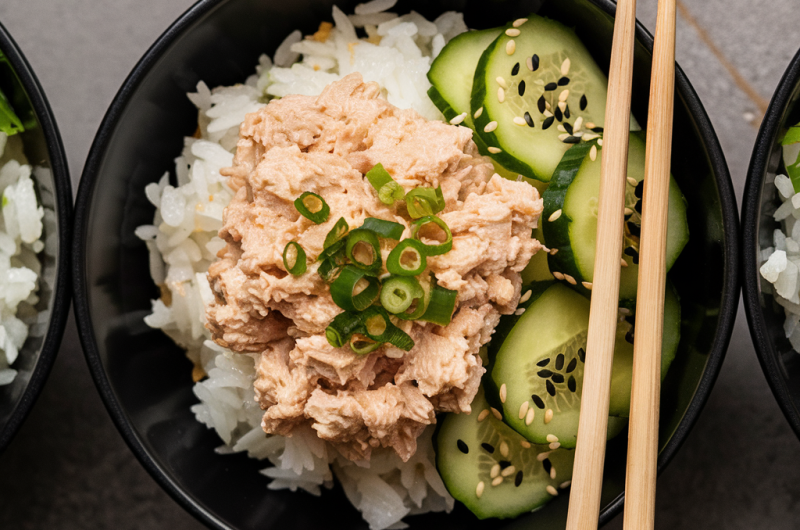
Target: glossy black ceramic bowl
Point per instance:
(144, 378)
(780, 362)
(43, 148)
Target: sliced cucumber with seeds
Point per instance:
(519, 83)
(537, 369)
(571, 201)
(493, 470)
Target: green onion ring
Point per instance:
(312, 207)
(367, 237)
(399, 292)
(420, 307)
(336, 234)
(343, 287)
(330, 267)
(433, 250)
(385, 229)
(424, 201)
(395, 261)
(294, 258)
(441, 305)
(388, 190)
(378, 327)
(362, 345)
(342, 328)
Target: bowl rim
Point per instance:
(684, 89)
(63, 197)
(765, 141)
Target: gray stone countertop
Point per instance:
(68, 468)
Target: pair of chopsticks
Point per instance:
(584, 505)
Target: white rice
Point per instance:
(20, 242)
(183, 242)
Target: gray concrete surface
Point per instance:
(69, 469)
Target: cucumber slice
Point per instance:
(560, 62)
(537, 269)
(468, 448)
(541, 362)
(574, 191)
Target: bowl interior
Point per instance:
(144, 377)
(42, 147)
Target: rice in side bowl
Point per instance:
(183, 242)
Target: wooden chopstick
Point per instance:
(640, 482)
(587, 480)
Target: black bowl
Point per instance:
(144, 378)
(45, 152)
(780, 362)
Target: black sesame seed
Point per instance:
(582, 355)
(521, 88)
(504, 464)
(551, 389)
(568, 127)
(548, 122)
(638, 206)
(548, 465)
(629, 336)
(557, 378)
(515, 70)
(462, 446)
(584, 102)
(571, 384)
(636, 258)
(630, 251)
(572, 365)
(489, 448)
(558, 114)
(564, 81)
(549, 87)
(528, 119)
(535, 62)
(597, 130)
(542, 105)
(543, 362)
(639, 191)
(544, 374)
(537, 401)
(634, 229)
(560, 361)
(630, 319)
(518, 478)
(572, 140)
(566, 112)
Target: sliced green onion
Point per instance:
(10, 123)
(362, 345)
(332, 250)
(433, 250)
(353, 290)
(380, 328)
(441, 305)
(398, 293)
(338, 231)
(330, 267)
(407, 258)
(294, 258)
(342, 328)
(363, 249)
(424, 201)
(312, 207)
(388, 190)
(419, 304)
(386, 229)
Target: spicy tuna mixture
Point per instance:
(326, 145)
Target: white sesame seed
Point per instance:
(577, 134)
(503, 393)
(593, 153)
(478, 113)
(565, 484)
(494, 150)
(512, 32)
(529, 63)
(497, 413)
(632, 182)
(458, 119)
(558, 275)
(555, 445)
(523, 409)
(578, 123)
(555, 215)
(525, 444)
(541, 457)
(491, 126)
(501, 82)
(501, 95)
(519, 311)
(479, 489)
(624, 311)
(494, 471)
(504, 449)
(508, 471)
(511, 47)
(519, 121)
(590, 136)
(520, 21)
(547, 105)
(563, 95)
(483, 414)
(529, 416)
(551, 438)
(588, 285)
(600, 142)
(570, 279)
(552, 491)
(565, 66)
(623, 263)
(525, 297)
(497, 481)
(562, 105)
(548, 416)
(561, 128)
(590, 125)
(552, 473)
(548, 114)
(562, 137)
